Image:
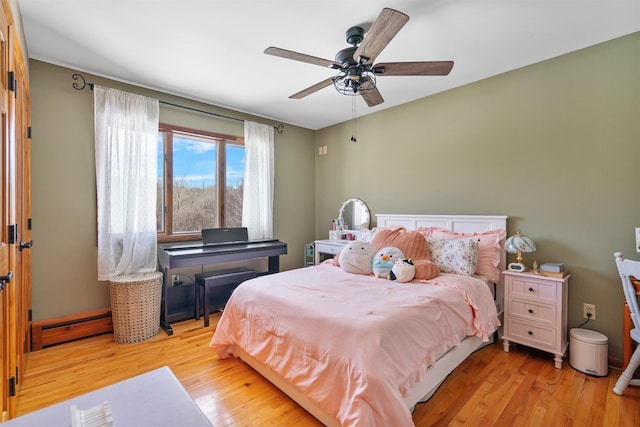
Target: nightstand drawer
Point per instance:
(329, 248)
(532, 290)
(533, 335)
(531, 311)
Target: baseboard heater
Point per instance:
(68, 328)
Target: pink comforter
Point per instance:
(354, 344)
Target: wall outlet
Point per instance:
(637, 239)
(589, 309)
(174, 278)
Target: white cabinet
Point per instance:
(536, 312)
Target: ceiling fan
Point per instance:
(356, 71)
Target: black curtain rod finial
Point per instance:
(76, 86)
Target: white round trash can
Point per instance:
(588, 352)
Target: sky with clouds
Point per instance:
(194, 162)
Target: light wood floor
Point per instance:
(519, 388)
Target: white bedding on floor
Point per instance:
(354, 344)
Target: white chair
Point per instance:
(628, 268)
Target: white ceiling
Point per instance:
(212, 50)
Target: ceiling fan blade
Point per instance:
(289, 54)
(373, 97)
(311, 89)
(425, 68)
(383, 30)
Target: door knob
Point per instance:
(26, 245)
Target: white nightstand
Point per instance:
(535, 312)
(328, 247)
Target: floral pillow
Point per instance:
(489, 248)
(458, 256)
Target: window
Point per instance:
(200, 182)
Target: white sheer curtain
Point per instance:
(257, 203)
(126, 134)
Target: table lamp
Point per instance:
(517, 245)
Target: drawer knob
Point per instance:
(530, 311)
(530, 332)
(530, 289)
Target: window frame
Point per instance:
(221, 141)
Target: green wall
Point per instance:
(64, 267)
(555, 146)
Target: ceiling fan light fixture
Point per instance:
(354, 84)
(357, 71)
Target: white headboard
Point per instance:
(458, 223)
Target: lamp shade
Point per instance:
(517, 245)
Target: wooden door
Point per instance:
(23, 212)
(5, 300)
(13, 288)
(15, 211)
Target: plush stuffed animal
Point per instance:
(384, 259)
(403, 270)
(357, 257)
(413, 245)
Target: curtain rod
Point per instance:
(279, 128)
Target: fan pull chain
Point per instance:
(353, 119)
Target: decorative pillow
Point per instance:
(458, 256)
(357, 257)
(425, 269)
(413, 245)
(384, 259)
(366, 235)
(489, 248)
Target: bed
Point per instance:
(357, 350)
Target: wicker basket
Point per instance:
(135, 306)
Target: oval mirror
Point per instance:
(355, 214)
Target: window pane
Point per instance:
(160, 204)
(194, 184)
(235, 185)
